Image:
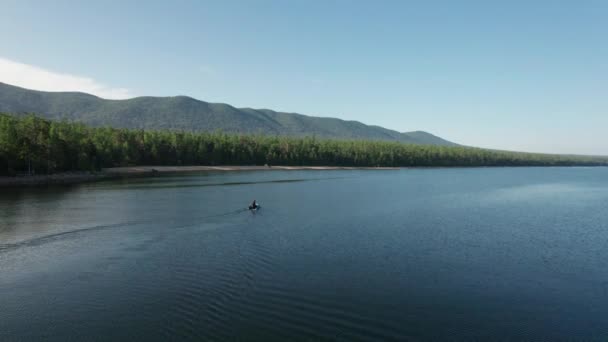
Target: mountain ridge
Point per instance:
(190, 114)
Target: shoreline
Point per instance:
(137, 170)
(66, 178)
(70, 178)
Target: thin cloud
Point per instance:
(33, 77)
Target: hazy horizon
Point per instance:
(517, 76)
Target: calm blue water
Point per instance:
(435, 254)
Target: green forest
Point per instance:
(30, 144)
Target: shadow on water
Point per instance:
(16, 203)
(39, 204)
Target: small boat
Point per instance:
(252, 208)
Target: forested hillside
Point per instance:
(33, 144)
(188, 114)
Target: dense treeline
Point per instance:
(34, 145)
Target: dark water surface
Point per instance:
(465, 254)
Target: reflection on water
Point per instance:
(468, 254)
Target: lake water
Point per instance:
(420, 254)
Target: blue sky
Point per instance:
(517, 75)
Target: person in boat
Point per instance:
(254, 205)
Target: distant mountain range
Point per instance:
(186, 113)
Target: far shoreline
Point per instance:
(71, 178)
(137, 170)
(63, 178)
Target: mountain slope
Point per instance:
(186, 113)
